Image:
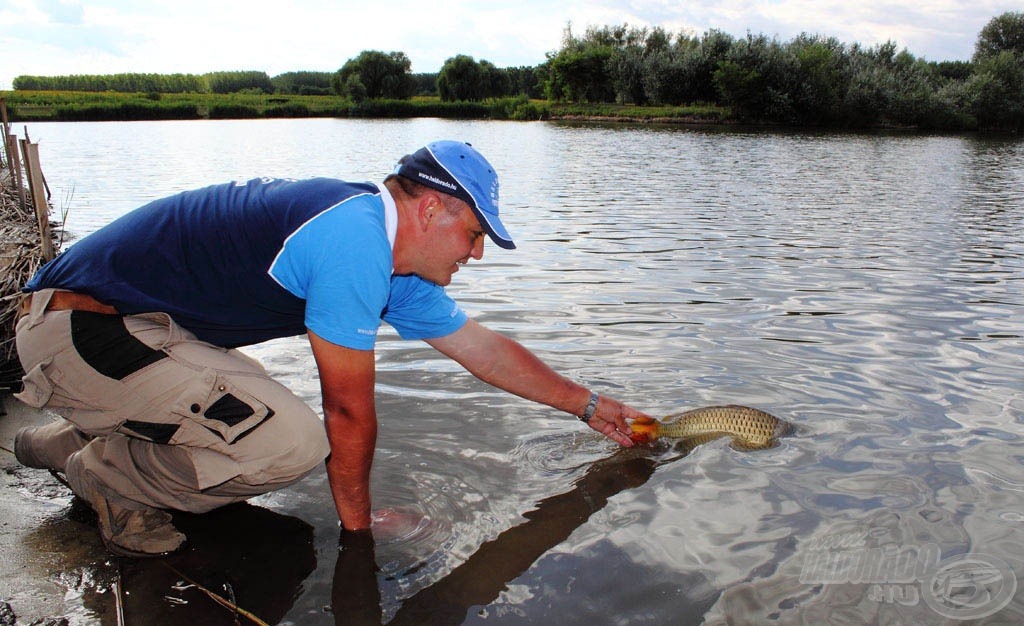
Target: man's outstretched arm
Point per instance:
(507, 364)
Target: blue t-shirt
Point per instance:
(241, 263)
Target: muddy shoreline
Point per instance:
(55, 570)
(47, 555)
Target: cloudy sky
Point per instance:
(57, 37)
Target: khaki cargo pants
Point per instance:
(175, 422)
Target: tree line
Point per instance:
(810, 80)
(211, 82)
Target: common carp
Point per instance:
(751, 429)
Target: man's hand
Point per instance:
(610, 420)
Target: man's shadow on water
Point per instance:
(255, 558)
(258, 559)
(483, 576)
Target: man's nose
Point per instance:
(478, 249)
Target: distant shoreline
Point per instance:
(73, 106)
(80, 106)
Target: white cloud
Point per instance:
(62, 11)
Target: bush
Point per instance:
(127, 111)
(287, 110)
(232, 111)
(519, 108)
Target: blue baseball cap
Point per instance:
(457, 169)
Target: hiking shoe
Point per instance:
(48, 447)
(140, 531)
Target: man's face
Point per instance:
(452, 240)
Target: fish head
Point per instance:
(645, 430)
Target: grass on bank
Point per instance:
(697, 113)
(25, 106)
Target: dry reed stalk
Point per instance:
(224, 602)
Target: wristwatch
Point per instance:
(590, 410)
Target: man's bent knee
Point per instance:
(285, 447)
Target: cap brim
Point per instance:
(494, 229)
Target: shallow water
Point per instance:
(869, 289)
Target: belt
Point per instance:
(68, 301)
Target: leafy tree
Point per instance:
(663, 83)
(496, 82)
(579, 72)
(818, 87)
(1003, 33)
(702, 60)
(128, 83)
(995, 93)
(682, 71)
(382, 74)
(639, 57)
(234, 82)
(626, 67)
(461, 78)
(584, 74)
(425, 84)
(523, 80)
(954, 70)
(464, 79)
(354, 88)
(867, 94)
(303, 83)
(756, 80)
(741, 88)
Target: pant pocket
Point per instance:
(38, 388)
(213, 412)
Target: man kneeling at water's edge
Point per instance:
(131, 335)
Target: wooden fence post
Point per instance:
(13, 162)
(6, 133)
(37, 187)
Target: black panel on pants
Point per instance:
(103, 341)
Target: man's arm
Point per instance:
(346, 382)
(507, 364)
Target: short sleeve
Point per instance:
(419, 309)
(339, 262)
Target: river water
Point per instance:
(868, 289)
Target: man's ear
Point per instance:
(426, 209)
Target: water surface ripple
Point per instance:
(866, 288)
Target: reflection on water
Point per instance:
(867, 289)
(251, 556)
(482, 577)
